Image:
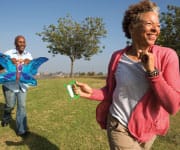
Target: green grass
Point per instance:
(57, 122)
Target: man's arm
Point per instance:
(1, 69)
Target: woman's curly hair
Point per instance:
(134, 11)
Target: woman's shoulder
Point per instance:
(160, 48)
(119, 52)
(165, 53)
(163, 50)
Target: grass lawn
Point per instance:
(59, 123)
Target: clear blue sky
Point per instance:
(27, 17)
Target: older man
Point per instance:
(16, 91)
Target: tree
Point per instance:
(73, 39)
(170, 28)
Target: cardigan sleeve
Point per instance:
(106, 92)
(167, 85)
(99, 94)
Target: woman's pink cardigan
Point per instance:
(151, 115)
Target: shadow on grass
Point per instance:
(33, 140)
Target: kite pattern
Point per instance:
(24, 73)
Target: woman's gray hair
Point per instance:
(134, 11)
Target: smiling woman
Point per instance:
(143, 84)
(144, 32)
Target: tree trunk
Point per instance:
(72, 67)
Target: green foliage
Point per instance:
(170, 28)
(73, 39)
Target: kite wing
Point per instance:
(29, 70)
(10, 74)
(33, 66)
(6, 62)
(7, 77)
(28, 79)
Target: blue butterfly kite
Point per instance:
(23, 73)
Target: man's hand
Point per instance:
(20, 61)
(26, 61)
(14, 61)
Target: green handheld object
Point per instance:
(70, 90)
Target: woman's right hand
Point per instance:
(82, 89)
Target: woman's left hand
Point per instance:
(148, 61)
